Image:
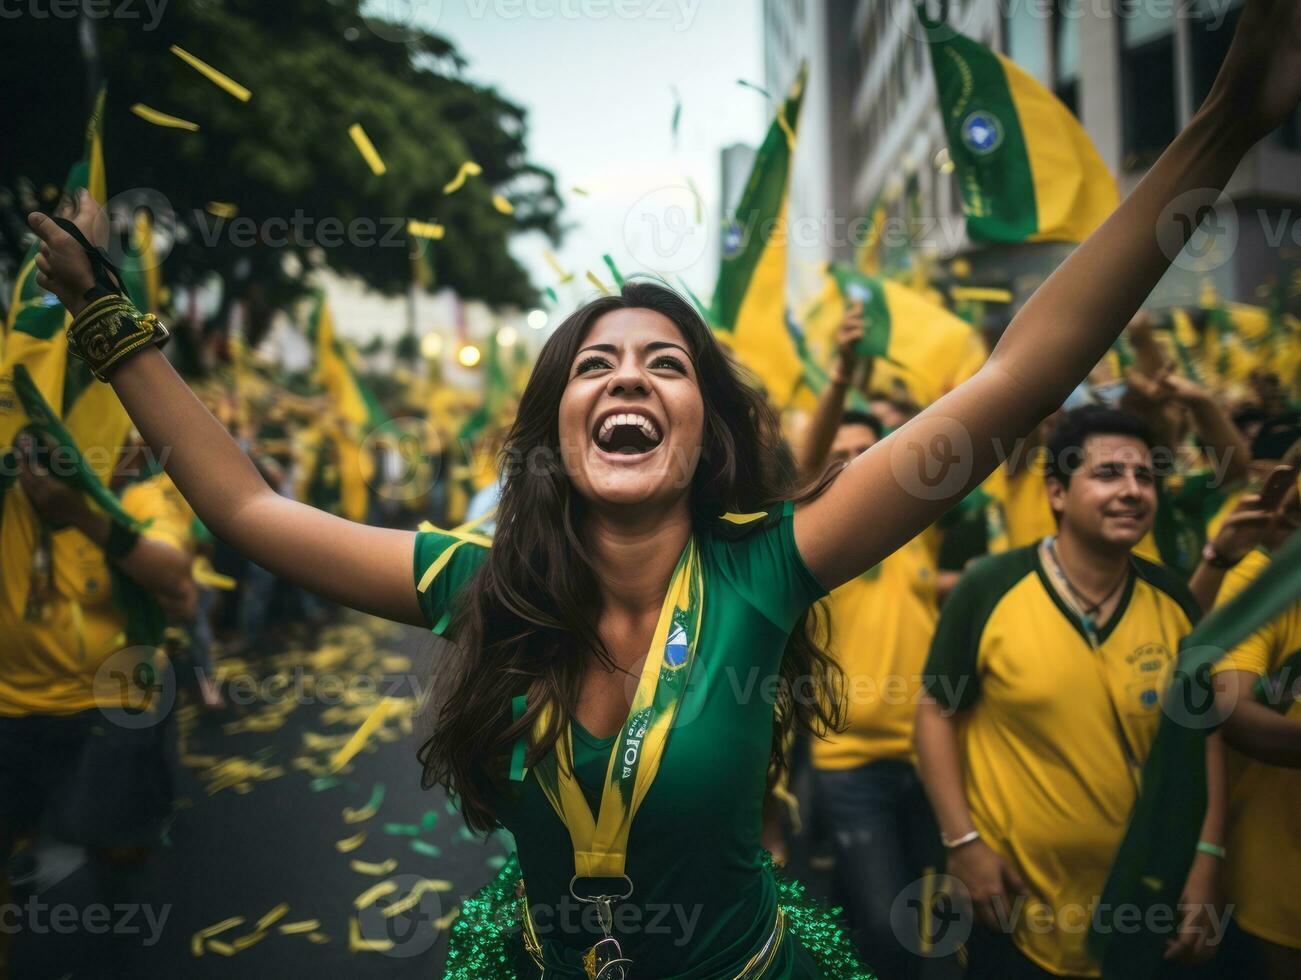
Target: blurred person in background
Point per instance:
(1257, 687)
(880, 625)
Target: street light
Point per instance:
(468, 355)
(431, 345)
(537, 319)
(507, 336)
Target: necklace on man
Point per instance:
(1084, 606)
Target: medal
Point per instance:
(601, 840)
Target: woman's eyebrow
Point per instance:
(654, 345)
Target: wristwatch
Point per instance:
(1215, 559)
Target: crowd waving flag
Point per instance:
(749, 308)
(1026, 168)
(929, 350)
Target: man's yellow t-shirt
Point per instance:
(1264, 841)
(1055, 722)
(881, 628)
(47, 666)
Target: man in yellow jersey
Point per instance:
(867, 789)
(58, 733)
(1257, 689)
(1043, 681)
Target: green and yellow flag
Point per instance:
(749, 308)
(1153, 860)
(1026, 168)
(358, 410)
(919, 345)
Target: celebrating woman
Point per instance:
(631, 651)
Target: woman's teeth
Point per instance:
(643, 423)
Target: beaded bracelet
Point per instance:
(111, 329)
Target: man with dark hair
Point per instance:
(1043, 681)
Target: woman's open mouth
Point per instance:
(627, 434)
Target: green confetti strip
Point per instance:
(324, 782)
(402, 829)
(430, 820)
(427, 849)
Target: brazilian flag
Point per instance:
(1159, 845)
(1026, 168)
(357, 409)
(919, 344)
(749, 308)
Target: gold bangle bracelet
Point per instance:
(111, 329)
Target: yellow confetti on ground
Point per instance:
(367, 149)
(425, 229)
(501, 204)
(217, 78)
(318, 937)
(222, 209)
(359, 737)
(386, 867)
(373, 894)
(150, 115)
(358, 945)
(413, 896)
(272, 917)
(468, 169)
(349, 844)
(225, 949)
(444, 922)
(595, 280)
(294, 928)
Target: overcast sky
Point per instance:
(597, 79)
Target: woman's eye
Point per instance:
(590, 364)
(670, 362)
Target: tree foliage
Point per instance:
(285, 159)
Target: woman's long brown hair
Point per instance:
(525, 624)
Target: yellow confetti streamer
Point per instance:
(318, 938)
(150, 115)
(367, 149)
(359, 737)
(222, 209)
(225, 949)
(294, 928)
(580, 191)
(373, 894)
(272, 917)
(595, 280)
(556, 267)
(413, 897)
(448, 919)
(358, 945)
(367, 868)
(501, 204)
(425, 229)
(244, 942)
(222, 81)
(468, 169)
(349, 844)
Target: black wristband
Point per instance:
(121, 539)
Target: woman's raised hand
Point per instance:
(1259, 83)
(62, 267)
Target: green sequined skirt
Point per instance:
(487, 943)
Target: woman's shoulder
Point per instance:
(443, 562)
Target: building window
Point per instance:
(1024, 29)
(1147, 59)
(1066, 53)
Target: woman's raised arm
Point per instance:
(367, 568)
(904, 483)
